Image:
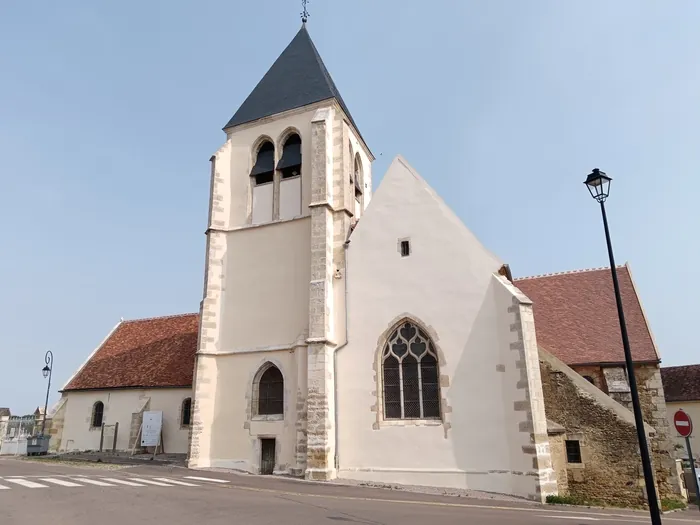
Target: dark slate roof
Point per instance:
(297, 78)
(681, 383)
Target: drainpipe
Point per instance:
(336, 459)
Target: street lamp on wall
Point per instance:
(598, 184)
(46, 372)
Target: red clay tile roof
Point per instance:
(576, 316)
(146, 353)
(681, 383)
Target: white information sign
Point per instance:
(150, 430)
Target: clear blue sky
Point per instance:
(109, 112)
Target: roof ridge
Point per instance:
(680, 366)
(568, 272)
(172, 316)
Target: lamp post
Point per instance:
(598, 184)
(46, 371)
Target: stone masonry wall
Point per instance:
(653, 402)
(613, 381)
(611, 471)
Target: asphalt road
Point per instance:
(40, 492)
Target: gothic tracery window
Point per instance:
(410, 375)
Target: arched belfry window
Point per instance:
(357, 177)
(269, 392)
(98, 410)
(289, 167)
(262, 176)
(410, 375)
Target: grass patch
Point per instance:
(574, 500)
(565, 500)
(672, 504)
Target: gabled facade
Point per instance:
(438, 383)
(273, 392)
(346, 335)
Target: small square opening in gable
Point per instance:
(405, 247)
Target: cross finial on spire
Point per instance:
(305, 12)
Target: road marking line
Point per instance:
(208, 479)
(631, 518)
(176, 482)
(61, 482)
(572, 518)
(27, 483)
(2, 487)
(124, 482)
(151, 482)
(93, 482)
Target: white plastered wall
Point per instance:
(119, 406)
(448, 285)
(236, 430)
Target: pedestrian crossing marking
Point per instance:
(124, 482)
(94, 482)
(207, 479)
(176, 482)
(151, 482)
(81, 480)
(27, 483)
(62, 482)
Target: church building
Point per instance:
(359, 334)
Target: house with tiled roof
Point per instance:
(142, 365)
(682, 388)
(347, 333)
(577, 322)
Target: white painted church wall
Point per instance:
(234, 436)
(448, 284)
(262, 203)
(119, 406)
(290, 198)
(266, 286)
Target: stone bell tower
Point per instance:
(286, 187)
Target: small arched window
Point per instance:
(264, 167)
(290, 163)
(262, 176)
(98, 410)
(270, 390)
(289, 167)
(410, 375)
(357, 176)
(186, 412)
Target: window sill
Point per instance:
(268, 417)
(411, 422)
(575, 465)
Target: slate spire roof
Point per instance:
(297, 78)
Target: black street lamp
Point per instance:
(46, 371)
(598, 184)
